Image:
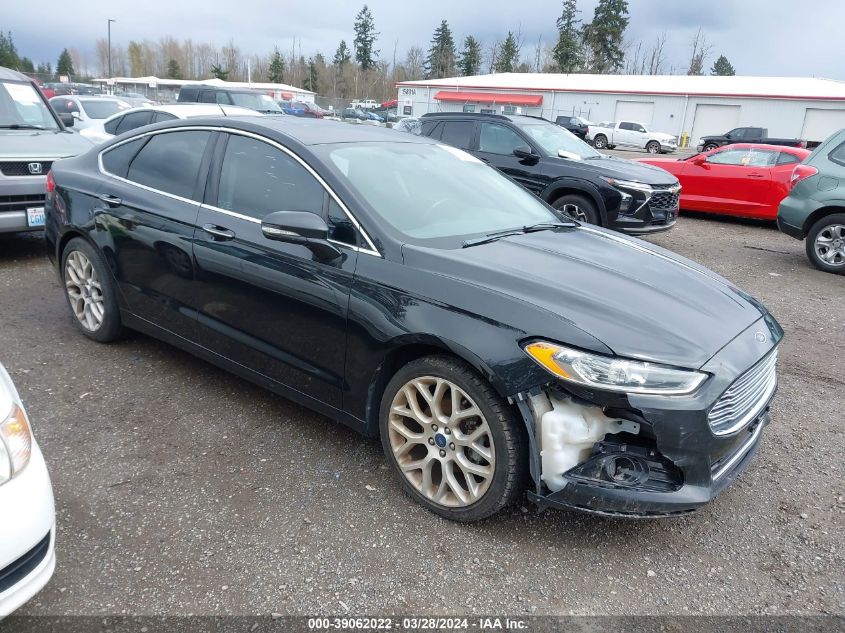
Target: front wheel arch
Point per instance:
(407, 349)
(564, 189)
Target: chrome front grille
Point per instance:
(664, 199)
(745, 398)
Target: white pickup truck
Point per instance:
(631, 134)
(369, 104)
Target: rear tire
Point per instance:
(463, 462)
(652, 147)
(600, 141)
(579, 208)
(90, 292)
(825, 244)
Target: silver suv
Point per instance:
(32, 136)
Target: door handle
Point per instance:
(756, 175)
(219, 232)
(110, 200)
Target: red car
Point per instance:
(745, 179)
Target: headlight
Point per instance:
(627, 184)
(613, 374)
(15, 434)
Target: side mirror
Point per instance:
(523, 152)
(67, 119)
(76, 115)
(300, 227)
(699, 160)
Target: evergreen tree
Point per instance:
(567, 52)
(276, 70)
(65, 64)
(508, 55)
(26, 65)
(605, 34)
(312, 79)
(173, 70)
(219, 73)
(365, 37)
(722, 67)
(441, 55)
(8, 53)
(342, 56)
(470, 63)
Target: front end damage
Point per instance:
(649, 456)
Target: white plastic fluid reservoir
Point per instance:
(568, 433)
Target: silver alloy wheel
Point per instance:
(441, 441)
(84, 291)
(653, 148)
(574, 211)
(830, 245)
(599, 142)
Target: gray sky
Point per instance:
(759, 37)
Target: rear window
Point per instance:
(101, 109)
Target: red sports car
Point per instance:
(747, 179)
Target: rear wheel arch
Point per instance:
(818, 214)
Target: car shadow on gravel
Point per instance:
(22, 246)
(730, 219)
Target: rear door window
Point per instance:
(458, 133)
(431, 129)
(786, 158)
(838, 155)
(133, 120)
(207, 96)
(158, 117)
(154, 165)
(116, 161)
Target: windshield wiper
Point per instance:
(21, 126)
(530, 228)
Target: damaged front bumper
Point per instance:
(665, 458)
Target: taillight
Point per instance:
(51, 183)
(800, 173)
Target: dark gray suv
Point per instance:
(32, 137)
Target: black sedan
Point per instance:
(406, 289)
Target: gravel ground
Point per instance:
(182, 489)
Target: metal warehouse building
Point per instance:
(790, 107)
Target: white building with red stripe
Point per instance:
(789, 107)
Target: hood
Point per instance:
(623, 169)
(641, 301)
(36, 144)
(663, 136)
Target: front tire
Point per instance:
(825, 244)
(600, 141)
(456, 446)
(709, 146)
(578, 208)
(652, 147)
(90, 292)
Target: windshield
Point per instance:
(101, 109)
(432, 192)
(262, 103)
(553, 139)
(22, 106)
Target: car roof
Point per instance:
(14, 75)
(305, 131)
(798, 151)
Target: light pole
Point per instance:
(110, 20)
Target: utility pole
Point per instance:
(110, 20)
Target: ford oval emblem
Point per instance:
(761, 338)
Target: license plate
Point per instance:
(35, 216)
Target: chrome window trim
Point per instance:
(369, 250)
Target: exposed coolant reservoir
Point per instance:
(567, 434)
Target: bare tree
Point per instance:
(415, 63)
(700, 52)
